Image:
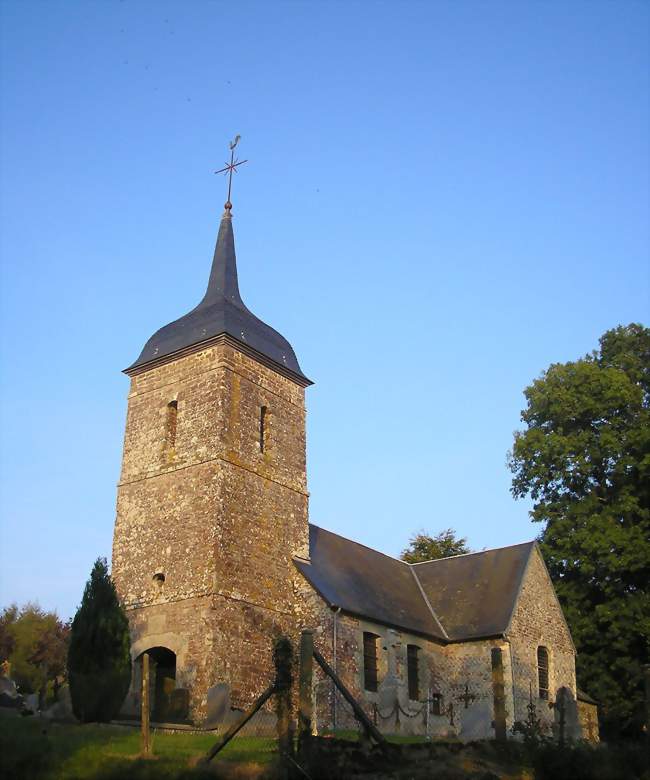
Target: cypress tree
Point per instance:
(99, 661)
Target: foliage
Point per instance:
(532, 729)
(588, 762)
(584, 459)
(35, 644)
(424, 547)
(99, 661)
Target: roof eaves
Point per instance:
(139, 368)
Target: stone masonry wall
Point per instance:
(443, 669)
(450, 670)
(219, 518)
(538, 621)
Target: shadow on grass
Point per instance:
(33, 749)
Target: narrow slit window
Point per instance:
(542, 672)
(412, 665)
(370, 661)
(262, 428)
(172, 421)
(435, 704)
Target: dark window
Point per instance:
(542, 672)
(262, 428)
(413, 671)
(435, 704)
(172, 415)
(370, 661)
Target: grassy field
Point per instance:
(32, 749)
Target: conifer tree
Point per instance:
(99, 661)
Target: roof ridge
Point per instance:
(361, 544)
(476, 552)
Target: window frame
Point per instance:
(171, 424)
(543, 658)
(435, 704)
(370, 661)
(264, 413)
(413, 671)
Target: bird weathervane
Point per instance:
(231, 168)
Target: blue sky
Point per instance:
(442, 199)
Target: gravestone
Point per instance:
(218, 705)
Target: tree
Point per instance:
(424, 547)
(7, 639)
(99, 661)
(50, 655)
(35, 644)
(584, 459)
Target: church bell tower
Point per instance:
(212, 499)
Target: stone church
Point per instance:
(214, 555)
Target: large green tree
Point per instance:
(99, 661)
(424, 547)
(34, 642)
(584, 459)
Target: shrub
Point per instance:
(99, 661)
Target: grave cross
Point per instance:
(467, 697)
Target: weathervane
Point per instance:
(230, 168)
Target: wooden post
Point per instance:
(560, 703)
(646, 676)
(238, 725)
(359, 714)
(146, 736)
(306, 703)
(498, 692)
(282, 658)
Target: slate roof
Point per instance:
(222, 311)
(582, 696)
(474, 594)
(451, 599)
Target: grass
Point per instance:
(32, 749)
(398, 739)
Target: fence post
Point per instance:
(306, 701)
(646, 676)
(146, 737)
(498, 691)
(282, 658)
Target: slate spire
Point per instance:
(222, 312)
(223, 275)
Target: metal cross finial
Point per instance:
(230, 168)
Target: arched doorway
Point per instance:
(163, 683)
